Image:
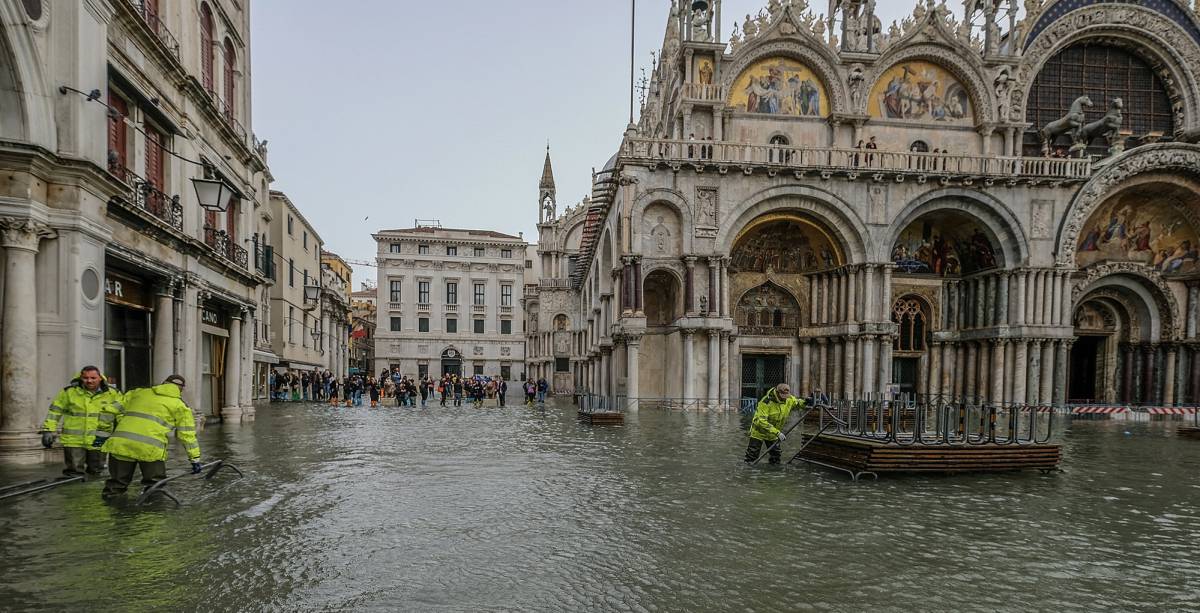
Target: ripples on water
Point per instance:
(520, 509)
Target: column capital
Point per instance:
(632, 339)
(687, 332)
(821, 340)
(714, 260)
(23, 233)
(689, 260)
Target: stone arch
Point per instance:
(1161, 309)
(964, 67)
(638, 229)
(662, 296)
(1165, 159)
(836, 214)
(818, 58)
(1146, 32)
(561, 322)
(990, 212)
(768, 309)
(605, 261)
(23, 86)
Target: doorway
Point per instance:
(762, 372)
(906, 373)
(1086, 354)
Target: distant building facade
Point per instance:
(449, 302)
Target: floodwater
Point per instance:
(521, 509)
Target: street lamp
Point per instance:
(316, 334)
(213, 194)
(312, 293)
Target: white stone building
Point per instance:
(449, 301)
(108, 111)
(1001, 206)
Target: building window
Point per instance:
(423, 249)
(478, 369)
(291, 224)
(479, 252)
(423, 324)
(451, 292)
(528, 263)
(451, 250)
(306, 276)
(562, 364)
(291, 318)
(423, 292)
(909, 314)
(394, 248)
(394, 294)
(155, 160)
(505, 326)
(304, 330)
(505, 295)
(206, 46)
(506, 253)
(505, 372)
(479, 293)
(397, 324)
(451, 325)
(118, 143)
(478, 326)
(230, 62)
(422, 370)
(291, 272)
(305, 241)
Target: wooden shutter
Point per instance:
(230, 103)
(154, 157)
(117, 143)
(231, 217)
(206, 46)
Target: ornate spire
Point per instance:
(547, 172)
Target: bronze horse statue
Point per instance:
(1070, 124)
(1108, 127)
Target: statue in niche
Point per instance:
(856, 79)
(706, 207)
(704, 304)
(660, 235)
(701, 24)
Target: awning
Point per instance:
(265, 356)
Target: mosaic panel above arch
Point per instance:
(942, 243)
(920, 91)
(784, 244)
(1149, 225)
(780, 86)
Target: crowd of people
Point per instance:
(391, 385)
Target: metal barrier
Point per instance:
(159, 488)
(38, 485)
(942, 421)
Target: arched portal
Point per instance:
(662, 298)
(1117, 355)
(451, 362)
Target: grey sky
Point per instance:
(390, 111)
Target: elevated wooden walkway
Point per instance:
(602, 418)
(858, 455)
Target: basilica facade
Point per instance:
(998, 204)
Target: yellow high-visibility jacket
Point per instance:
(149, 415)
(770, 415)
(83, 415)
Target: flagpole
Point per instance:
(632, 38)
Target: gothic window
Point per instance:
(909, 314)
(768, 310)
(1102, 73)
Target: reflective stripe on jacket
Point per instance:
(83, 415)
(770, 416)
(150, 414)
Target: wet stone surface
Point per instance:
(520, 509)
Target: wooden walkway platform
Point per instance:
(863, 456)
(597, 418)
(1188, 432)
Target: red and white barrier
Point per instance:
(1171, 410)
(1098, 410)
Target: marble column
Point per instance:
(1022, 283)
(989, 301)
(969, 383)
(1193, 309)
(983, 371)
(1056, 299)
(1033, 376)
(735, 368)
(885, 359)
(606, 378)
(20, 410)
(231, 413)
(1169, 381)
(1194, 385)
(934, 378)
(869, 293)
(1020, 372)
(960, 369)
(714, 366)
(1047, 300)
(632, 344)
(1127, 363)
(869, 367)
(1046, 379)
(822, 365)
(723, 375)
(848, 380)
(814, 308)
(714, 276)
(997, 371)
(1002, 300)
(805, 367)
(886, 295)
(688, 364)
(851, 308)
(638, 306)
(689, 286)
(837, 378)
(1060, 371)
(163, 351)
(1148, 367)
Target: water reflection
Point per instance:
(524, 509)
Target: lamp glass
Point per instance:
(312, 292)
(213, 194)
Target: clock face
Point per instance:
(33, 8)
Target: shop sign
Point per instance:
(212, 317)
(127, 291)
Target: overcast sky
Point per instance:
(386, 111)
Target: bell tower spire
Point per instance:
(547, 203)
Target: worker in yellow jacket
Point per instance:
(85, 410)
(769, 417)
(139, 440)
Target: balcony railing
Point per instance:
(506, 310)
(153, 20)
(451, 308)
(226, 110)
(145, 196)
(264, 261)
(223, 244)
(702, 91)
(478, 309)
(395, 306)
(554, 284)
(857, 161)
(423, 307)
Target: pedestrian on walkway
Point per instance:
(140, 441)
(767, 424)
(85, 409)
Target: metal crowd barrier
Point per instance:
(160, 488)
(36, 485)
(929, 421)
